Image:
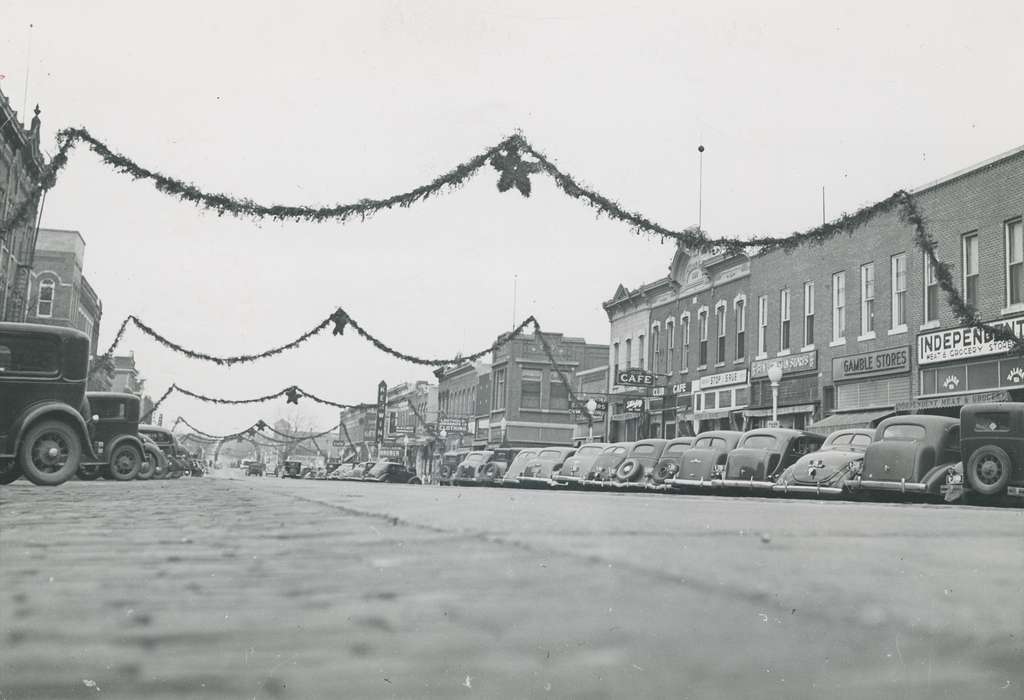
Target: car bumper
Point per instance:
(892, 486)
(816, 489)
(747, 484)
(695, 483)
(537, 481)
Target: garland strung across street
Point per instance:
(256, 430)
(507, 157)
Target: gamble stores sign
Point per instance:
(959, 343)
(888, 361)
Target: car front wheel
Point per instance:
(988, 470)
(125, 463)
(50, 453)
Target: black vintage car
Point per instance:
(762, 455)
(391, 473)
(43, 432)
(704, 463)
(909, 454)
(176, 456)
(992, 449)
(114, 430)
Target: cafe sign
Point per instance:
(874, 363)
(790, 364)
(966, 341)
(713, 381)
(634, 377)
(670, 390)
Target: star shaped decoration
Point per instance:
(515, 172)
(293, 394)
(261, 425)
(341, 320)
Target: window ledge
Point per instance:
(837, 343)
(929, 325)
(898, 329)
(870, 335)
(1011, 309)
(783, 353)
(700, 367)
(807, 348)
(761, 356)
(738, 360)
(719, 364)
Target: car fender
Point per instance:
(52, 409)
(935, 478)
(108, 449)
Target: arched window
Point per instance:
(45, 307)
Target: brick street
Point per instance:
(269, 588)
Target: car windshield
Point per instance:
(760, 442)
(109, 409)
(550, 455)
(590, 451)
(380, 468)
(709, 442)
(904, 431)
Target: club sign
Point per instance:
(634, 377)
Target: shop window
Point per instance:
(45, 307)
(808, 313)
(970, 268)
(867, 299)
(899, 292)
(1014, 263)
(709, 401)
(931, 291)
(530, 388)
(724, 399)
(784, 320)
(838, 306)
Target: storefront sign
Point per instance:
(874, 363)
(634, 377)
(960, 343)
(382, 404)
(670, 390)
(737, 376)
(634, 406)
(790, 364)
(453, 425)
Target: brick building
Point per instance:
(59, 293)
(529, 404)
(21, 169)
(457, 398)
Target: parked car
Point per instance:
(344, 469)
(992, 450)
(910, 454)
(606, 464)
(168, 444)
(824, 473)
(577, 468)
(635, 470)
(704, 463)
(358, 472)
(114, 431)
(252, 467)
(539, 470)
(392, 473)
(154, 457)
(43, 432)
(517, 465)
(671, 461)
(485, 467)
(450, 462)
(762, 455)
(290, 469)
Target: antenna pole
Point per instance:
(700, 184)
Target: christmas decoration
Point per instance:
(515, 172)
(293, 394)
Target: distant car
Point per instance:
(291, 469)
(824, 473)
(450, 462)
(392, 473)
(671, 461)
(517, 465)
(910, 454)
(539, 470)
(253, 468)
(577, 468)
(606, 464)
(635, 470)
(992, 447)
(485, 467)
(763, 454)
(168, 444)
(358, 471)
(466, 472)
(704, 463)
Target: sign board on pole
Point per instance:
(338, 443)
(773, 424)
(382, 408)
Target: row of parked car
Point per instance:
(51, 429)
(981, 453)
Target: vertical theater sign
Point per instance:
(967, 365)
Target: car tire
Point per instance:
(147, 467)
(125, 462)
(50, 453)
(414, 480)
(630, 470)
(663, 470)
(90, 472)
(988, 470)
(9, 472)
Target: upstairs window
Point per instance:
(839, 306)
(762, 325)
(931, 291)
(720, 326)
(808, 313)
(970, 268)
(741, 329)
(44, 308)
(899, 291)
(784, 320)
(670, 331)
(530, 387)
(656, 348)
(702, 322)
(1014, 263)
(867, 298)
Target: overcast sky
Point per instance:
(321, 103)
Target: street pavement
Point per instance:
(270, 588)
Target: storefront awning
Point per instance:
(783, 411)
(862, 419)
(921, 404)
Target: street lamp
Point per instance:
(504, 428)
(775, 376)
(405, 449)
(591, 407)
